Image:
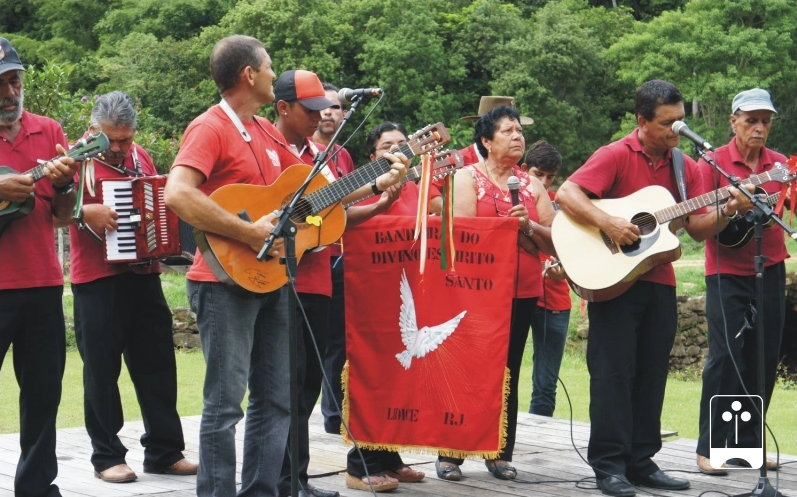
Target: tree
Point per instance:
(713, 50)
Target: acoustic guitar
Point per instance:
(445, 163)
(319, 216)
(599, 269)
(740, 231)
(85, 148)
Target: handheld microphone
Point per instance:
(346, 95)
(514, 187)
(682, 129)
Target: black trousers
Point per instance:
(335, 356)
(523, 311)
(127, 315)
(628, 353)
(377, 461)
(736, 294)
(33, 320)
(309, 377)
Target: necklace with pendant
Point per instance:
(505, 194)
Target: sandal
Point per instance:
(501, 471)
(450, 471)
(379, 481)
(405, 474)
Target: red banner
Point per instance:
(426, 367)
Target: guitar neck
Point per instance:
(339, 189)
(37, 172)
(710, 198)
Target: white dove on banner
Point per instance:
(427, 339)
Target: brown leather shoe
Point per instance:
(405, 474)
(706, 468)
(183, 467)
(121, 473)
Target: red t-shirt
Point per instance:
(490, 202)
(622, 168)
(213, 146)
(27, 246)
(88, 263)
(740, 261)
(315, 269)
(556, 292)
(343, 165)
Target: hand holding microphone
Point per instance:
(519, 210)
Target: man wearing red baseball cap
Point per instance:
(299, 98)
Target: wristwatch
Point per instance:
(375, 189)
(530, 232)
(735, 216)
(65, 190)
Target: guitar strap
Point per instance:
(680, 172)
(235, 120)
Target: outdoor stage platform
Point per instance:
(543, 454)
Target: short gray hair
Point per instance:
(115, 109)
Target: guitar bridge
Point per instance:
(609, 243)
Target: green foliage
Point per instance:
(46, 94)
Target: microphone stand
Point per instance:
(286, 229)
(759, 216)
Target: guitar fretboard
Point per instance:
(710, 198)
(335, 191)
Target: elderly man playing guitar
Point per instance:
(244, 334)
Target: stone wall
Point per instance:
(691, 345)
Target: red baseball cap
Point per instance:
(304, 87)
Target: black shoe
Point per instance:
(663, 482)
(502, 472)
(450, 473)
(318, 492)
(616, 485)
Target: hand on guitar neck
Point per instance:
(18, 187)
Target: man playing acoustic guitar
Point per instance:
(31, 280)
(631, 335)
(244, 338)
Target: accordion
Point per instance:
(147, 228)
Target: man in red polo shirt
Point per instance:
(31, 280)
(630, 336)
(730, 286)
(120, 309)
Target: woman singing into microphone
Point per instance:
(482, 190)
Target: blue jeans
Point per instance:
(549, 333)
(243, 341)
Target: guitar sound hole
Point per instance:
(302, 210)
(646, 222)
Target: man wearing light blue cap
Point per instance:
(730, 287)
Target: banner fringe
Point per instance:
(425, 449)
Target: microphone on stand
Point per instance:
(514, 187)
(346, 95)
(682, 129)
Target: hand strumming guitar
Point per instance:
(620, 230)
(261, 230)
(15, 187)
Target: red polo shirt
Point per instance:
(622, 168)
(740, 261)
(88, 263)
(556, 293)
(213, 146)
(27, 246)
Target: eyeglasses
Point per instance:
(505, 213)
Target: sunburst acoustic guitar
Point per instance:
(319, 215)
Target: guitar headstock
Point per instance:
(782, 173)
(90, 146)
(446, 162)
(429, 138)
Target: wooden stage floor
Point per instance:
(544, 457)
